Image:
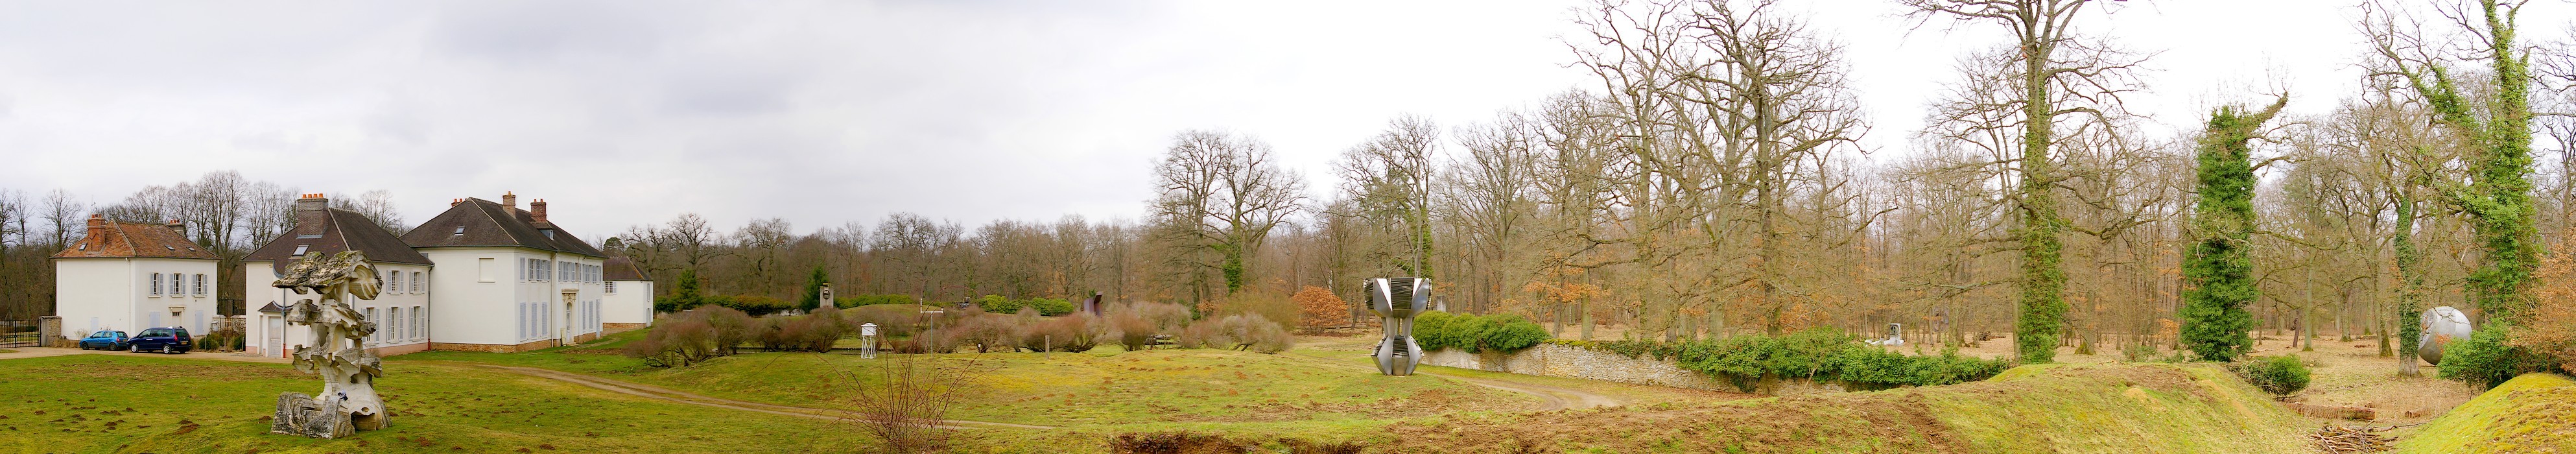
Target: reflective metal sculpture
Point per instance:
(1396, 301)
(348, 402)
(2442, 325)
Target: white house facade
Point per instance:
(628, 296)
(482, 276)
(513, 280)
(128, 276)
(401, 311)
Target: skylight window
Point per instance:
(308, 236)
(460, 230)
(299, 249)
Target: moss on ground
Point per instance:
(2044, 408)
(2531, 413)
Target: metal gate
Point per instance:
(19, 333)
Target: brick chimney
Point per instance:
(312, 202)
(509, 199)
(176, 226)
(537, 210)
(97, 226)
(455, 202)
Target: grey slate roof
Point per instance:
(485, 223)
(331, 230)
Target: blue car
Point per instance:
(167, 339)
(104, 340)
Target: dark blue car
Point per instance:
(104, 340)
(167, 339)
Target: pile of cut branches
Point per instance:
(2333, 439)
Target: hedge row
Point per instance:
(1475, 333)
(1046, 306)
(754, 305)
(846, 302)
(1828, 355)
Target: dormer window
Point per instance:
(550, 233)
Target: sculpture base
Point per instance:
(302, 415)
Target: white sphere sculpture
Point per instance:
(2442, 325)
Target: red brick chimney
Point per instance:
(312, 202)
(177, 226)
(97, 226)
(509, 199)
(537, 210)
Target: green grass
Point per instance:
(1103, 386)
(2531, 413)
(2046, 408)
(171, 405)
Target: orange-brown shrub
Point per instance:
(1319, 308)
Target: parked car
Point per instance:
(167, 339)
(104, 340)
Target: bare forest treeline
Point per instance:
(224, 212)
(1711, 182)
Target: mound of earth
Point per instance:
(2531, 413)
(2041, 408)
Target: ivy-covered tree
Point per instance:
(2218, 273)
(2497, 194)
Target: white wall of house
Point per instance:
(401, 311)
(629, 302)
(119, 293)
(513, 295)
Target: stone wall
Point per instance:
(1576, 362)
(49, 333)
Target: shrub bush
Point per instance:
(987, 332)
(1238, 332)
(2486, 359)
(754, 305)
(893, 320)
(1824, 355)
(682, 339)
(732, 327)
(1497, 332)
(872, 300)
(1318, 308)
(2279, 375)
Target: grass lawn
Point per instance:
(1103, 386)
(2531, 413)
(120, 404)
(2043, 408)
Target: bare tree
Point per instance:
(2058, 73)
(906, 404)
(1221, 193)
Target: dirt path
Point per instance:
(672, 395)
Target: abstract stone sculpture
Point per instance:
(2442, 325)
(1396, 301)
(348, 402)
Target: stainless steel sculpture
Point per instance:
(348, 402)
(2442, 325)
(1396, 300)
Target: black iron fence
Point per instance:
(19, 333)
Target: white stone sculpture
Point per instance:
(2442, 325)
(348, 402)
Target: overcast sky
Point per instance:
(630, 112)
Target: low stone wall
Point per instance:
(1553, 360)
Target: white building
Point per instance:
(128, 276)
(401, 310)
(481, 276)
(509, 279)
(629, 296)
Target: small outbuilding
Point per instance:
(128, 276)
